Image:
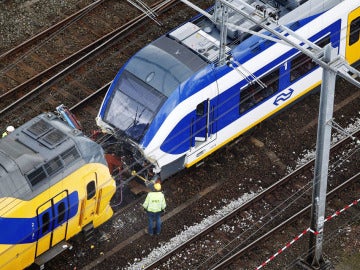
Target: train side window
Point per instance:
(354, 31)
(61, 211)
(200, 109)
(301, 65)
(46, 223)
(90, 189)
(324, 41)
(254, 93)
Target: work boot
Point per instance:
(147, 232)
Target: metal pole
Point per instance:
(223, 34)
(315, 258)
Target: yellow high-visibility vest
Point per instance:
(155, 202)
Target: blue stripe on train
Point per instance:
(227, 103)
(207, 76)
(25, 230)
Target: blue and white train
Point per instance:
(177, 100)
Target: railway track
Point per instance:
(40, 57)
(253, 215)
(236, 256)
(84, 105)
(65, 63)
(121, 217)
(230, 250)
(214, 248)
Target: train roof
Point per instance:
(165, 60)
(40, 153)
(202, 35)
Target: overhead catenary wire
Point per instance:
(275, 212)
(163, 250)
(331, 236)
(337, 213)
(145, 9)
(175, 145)
(342, 29)
(336, 126)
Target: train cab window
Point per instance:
(61, 211)
(354, 31)
(255, 93)
(45, 223)
(90, 189)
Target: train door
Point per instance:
(203, 129)
(88, 204)
(61, 216)
(203, 125)
(52, 222)
(353, 36)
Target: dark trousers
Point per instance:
(154, 217)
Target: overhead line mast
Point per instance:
(283, 33)
(332, 65)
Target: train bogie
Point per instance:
(54, 183)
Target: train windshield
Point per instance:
(133, 105)
(148, 79)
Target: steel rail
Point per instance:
(89, 51)
(290, 220)
(47, 32)
(246, 205)
(88, 98)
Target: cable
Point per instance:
(225, 113)
(215, 120)
(219, 117)
(288, 202)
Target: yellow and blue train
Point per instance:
(54, 184)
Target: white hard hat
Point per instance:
(10, 129)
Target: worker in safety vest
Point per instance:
(154, 205)
(9, 129)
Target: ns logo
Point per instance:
(283, 97)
